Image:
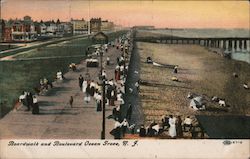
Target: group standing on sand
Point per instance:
(174, 126)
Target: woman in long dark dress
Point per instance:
(35, 109)
(99, 102)
(179, 131)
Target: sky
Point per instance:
(161, 14)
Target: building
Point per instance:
(64, 28)
(43, 29)
(79, 26)
(23, 31)
(107, 26)
(95, 25)
(19, 30)
(100, 38)
(40, 28)
(68, 28)
(7, 31)
(2, 25)
(51, 28)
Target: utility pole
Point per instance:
(89, 20)
(101, 59)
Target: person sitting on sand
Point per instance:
(215, 99)
(222, 102)
(116, 132)
(235, 75)
(190, 95)
(175, 69)
(187, 123)
(142, 131)
(245, 86)
(156, 128)
(165, 122)
(151, 132)
(174, 79)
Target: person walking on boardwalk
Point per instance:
(108, 61)
(87, 94)
(35, 109)
(117, 73)
(98, 102)
(71, 100)
(29, 99)
(84, 85)
(80, 80)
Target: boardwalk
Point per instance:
(57, 118)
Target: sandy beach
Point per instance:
(200, 72)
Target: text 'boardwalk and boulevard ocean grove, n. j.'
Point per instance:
(78, 143)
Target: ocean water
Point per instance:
(208, 33)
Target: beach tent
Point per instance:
(197, 103)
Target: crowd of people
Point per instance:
(30, 101)
(114, 85)
(174, 126)
(45, 84)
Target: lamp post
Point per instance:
(103, 109)
(101, 59)
(103, 97)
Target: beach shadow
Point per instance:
(151, 84)
(74, 107)
(214, 109)
(46, 103)
(58, 113)
(67, 79)
(55, 90)
(81, 69)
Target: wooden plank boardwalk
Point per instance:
(57, 119)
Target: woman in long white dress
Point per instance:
(84, 86)
(172, 129)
